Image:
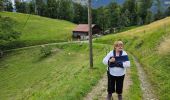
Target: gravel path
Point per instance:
(99, 92)
(148, 93)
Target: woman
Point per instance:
(117, 61)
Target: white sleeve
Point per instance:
(106, 59)
(126, 64)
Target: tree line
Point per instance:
(130, 13)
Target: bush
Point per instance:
(45, 51)
(8, 34)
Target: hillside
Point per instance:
(39, 30)
(65, 74)
(150, 44)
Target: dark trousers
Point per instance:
(115, 82)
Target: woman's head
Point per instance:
(118, 45)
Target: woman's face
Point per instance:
(119, 47)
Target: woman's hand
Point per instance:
(112, 59)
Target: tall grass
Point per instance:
(164, 48)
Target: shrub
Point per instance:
(8, 34)
(45, 50)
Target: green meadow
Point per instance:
(65, 74)
(39, 30)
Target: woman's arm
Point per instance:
(126, 64)
(106, 59)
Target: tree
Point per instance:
(79, 13)
(94, 15)
(1, 5)
(31, 7)
(167, 12)
(159, 13)
(130, 8)
(114, 11)
(52, 8)
(21, 7)
(139, 20)
(65, 9)
(149, 17)
(143, 7)
(85, 14)
(76, 12)
(102, 19)
(124, 19)
(7, 5)
(40, 7)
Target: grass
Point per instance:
(146, 43)
(63, 75)
(163, 48)
(128, 28)
(39, 30)
(134, 92)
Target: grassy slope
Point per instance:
(134, 92)
(40, 30)
(24, 75)
(146, 43)
(61, 76)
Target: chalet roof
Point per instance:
(83, 27)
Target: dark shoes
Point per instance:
(120, 97)
(109, 97)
